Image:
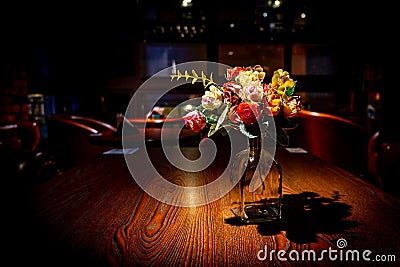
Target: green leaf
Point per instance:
(179, 75)
(222, 116)
(203, 78)
(216, 126)
(266, 123)
(290, 90)
(208, 84)
(211, 120)
(213, 129)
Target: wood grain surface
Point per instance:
(96, 215)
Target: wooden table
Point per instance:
(151, 136)
(96, 215)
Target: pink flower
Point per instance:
(232, 73)
(195, 121)
(232, 86)
(233, 115)
(253, 92)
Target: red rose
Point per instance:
(249, 112)
(195, 121)
(232, 86)
(230, 93)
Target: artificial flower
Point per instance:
(195, 121)
(249, 112)
(243, 100)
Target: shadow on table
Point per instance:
(307, 214)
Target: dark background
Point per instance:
(77, 47)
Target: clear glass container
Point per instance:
(257, 197)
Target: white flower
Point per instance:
(253, 91)
(212, 99)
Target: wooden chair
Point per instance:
(334, 139)
(68, 138)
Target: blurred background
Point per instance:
(88, 58)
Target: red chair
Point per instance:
(68, 138)
(18, 146)
(25, 135)
(334, 139)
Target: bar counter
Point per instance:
(96, 215)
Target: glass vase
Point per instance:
(257, 197)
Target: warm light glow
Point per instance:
(303, 15)
(186, 3)
(377, 96)
(230, 53)
(277, 3)
(274, 4)
(173, 66)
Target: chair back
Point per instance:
(93, 123)
(334, 139)
(26, 134)
(18, 146)
(68, 139)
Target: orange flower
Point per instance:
(272, 104)
(292, 107)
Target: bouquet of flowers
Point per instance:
(244, 100)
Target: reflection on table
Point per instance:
(148, 136)
(97, 215)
